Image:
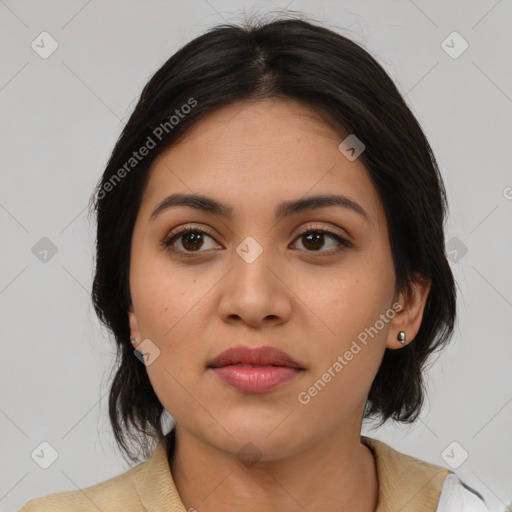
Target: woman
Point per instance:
(270, 242)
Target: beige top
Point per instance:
(405, 483)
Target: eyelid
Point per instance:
(313, 227)
(328, 229)
(190, 227)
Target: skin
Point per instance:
(311, 304)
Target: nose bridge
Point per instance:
(253, 290)
(251, 263)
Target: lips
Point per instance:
(261, 356)
(255, 370)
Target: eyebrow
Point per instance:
(282, 210)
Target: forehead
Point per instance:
(259, 153)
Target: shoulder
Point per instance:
(456, 496)
(115, 491)
(405, 481)
(402, 476)
(129, 491)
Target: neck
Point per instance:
(335, 475)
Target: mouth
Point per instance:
(255, 370)
(246, 356)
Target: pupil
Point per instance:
(192, 238)
(315, 238)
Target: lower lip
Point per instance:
(257, 379)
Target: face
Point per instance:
(310, 282)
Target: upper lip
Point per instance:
(261, 356)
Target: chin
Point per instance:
(264, 440)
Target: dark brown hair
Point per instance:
(288, 58)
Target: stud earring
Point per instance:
(401, 337)
(134, 341)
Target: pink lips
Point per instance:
(255, 370)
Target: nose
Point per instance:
(255, 291)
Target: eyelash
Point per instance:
(168, 242)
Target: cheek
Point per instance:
(165, 298)
(354, 296)
(173, 309)
(350, 308)
(347, 358)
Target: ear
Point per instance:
(132, 319)
(408, 318)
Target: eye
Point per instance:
(314, 239)
(192, 239)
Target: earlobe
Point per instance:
(134, 330)
(407, 321)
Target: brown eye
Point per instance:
(314, 240)
(190, 239)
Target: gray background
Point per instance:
(60, 118)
